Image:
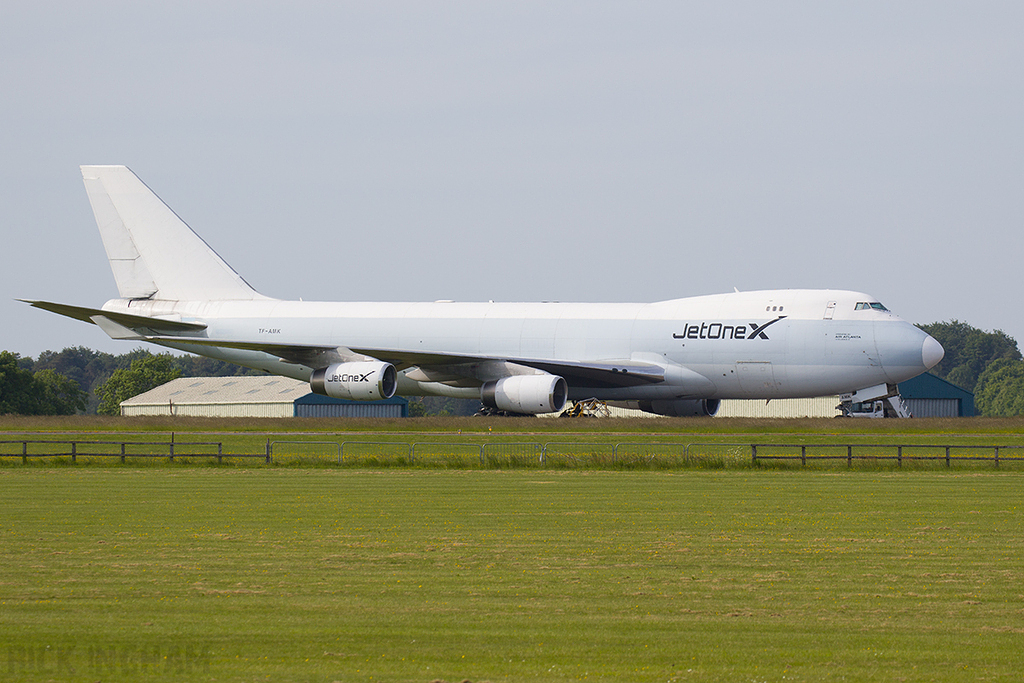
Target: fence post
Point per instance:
(803, 455)
(899, 456)
(220, 452)
(268, 450)
(172, 447)
(753, 454)
(74, 450)
(122, 451)
(849, 456)
(997, 456)
(947, 457)
(24, 452)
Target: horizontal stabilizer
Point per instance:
(142, 325)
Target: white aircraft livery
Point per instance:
(678, 357)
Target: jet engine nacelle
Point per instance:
(357, 381)
(701, 407)
(531, 394)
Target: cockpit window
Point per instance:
(865, 306)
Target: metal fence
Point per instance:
(553, 454)
(45, 448)
(887, 452)
(304, 451)
(509, 455)
(383, 452)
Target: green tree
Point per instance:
(969, 351)
(143, 375)
(78, 363)
(201, 366)
(445, 405)
(1000, 390)
(90, 369)
(44, 393)
(18, 389)
(416, 408)
(59, 395)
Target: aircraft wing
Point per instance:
(311, 356)
(583, 374)
(591, 375)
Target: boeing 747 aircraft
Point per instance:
(678, 357)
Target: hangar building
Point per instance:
(823, 406)
(930, 396)
(925, 395)
(253, 396)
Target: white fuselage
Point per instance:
(673, 357)
(767, 344)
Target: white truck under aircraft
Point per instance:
(677, 357)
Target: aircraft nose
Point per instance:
(931, 352)
(905, 350)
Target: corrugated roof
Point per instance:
(199, 390)
(932, 386)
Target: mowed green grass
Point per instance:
(465, 443)
(234, 574)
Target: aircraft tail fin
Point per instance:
(152, 252)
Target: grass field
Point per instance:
(312, 574)
(703, 568)
(464, 443)
(92, 424)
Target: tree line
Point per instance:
(988, 364)
(81, 380)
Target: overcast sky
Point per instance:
(573, 151)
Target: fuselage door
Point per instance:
(830, 310)
(756, 377)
